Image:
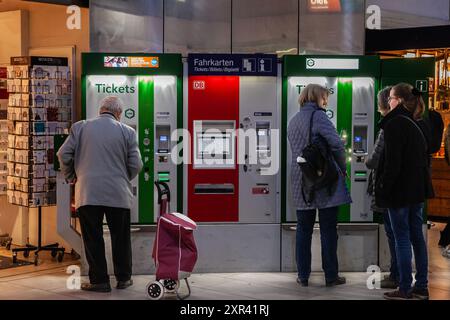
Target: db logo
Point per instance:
(199, 85)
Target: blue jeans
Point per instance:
(328, 238)
(395, 276)
(407, 225)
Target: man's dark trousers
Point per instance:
(118, 219)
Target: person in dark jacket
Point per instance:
(313, 101)
(391, 281)
(403, 185)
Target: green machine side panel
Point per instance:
(146, 176)
(344, 128)
(180, 125)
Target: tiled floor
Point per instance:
(48, 282)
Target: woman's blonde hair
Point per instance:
(313, 93)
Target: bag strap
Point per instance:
(417, 126)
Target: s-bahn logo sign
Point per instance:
(310, 63)
(130, 113)
(332, 64)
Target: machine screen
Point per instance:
(162, 138)
(214, 145)
(360, 140)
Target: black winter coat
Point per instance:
(403, 175)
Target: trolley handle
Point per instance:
(163, 189)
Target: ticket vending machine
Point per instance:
(150, 86)
(232, 181)
(352, 82)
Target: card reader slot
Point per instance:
(214, 189)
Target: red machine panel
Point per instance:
(213, 98)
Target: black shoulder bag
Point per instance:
(318, 168)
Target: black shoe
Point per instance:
(303, 283)
(101, 287)
(421, 294)
(398, 295)
(124, 284)
(388, 283)
(337, 282)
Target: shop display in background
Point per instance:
(39, 107)
(3, 131)
(438, 87)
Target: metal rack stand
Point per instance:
(53, 248)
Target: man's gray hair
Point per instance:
(111, 104)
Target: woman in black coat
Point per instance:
(403, 185)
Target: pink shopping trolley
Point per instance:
(174, 249)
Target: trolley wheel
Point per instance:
(155, 290)
(54, 253)
(14, 258)
(26, 254)
(171, 286)
(75, 255)
(36, 259)
(60, 256)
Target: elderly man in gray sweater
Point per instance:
(101, 157)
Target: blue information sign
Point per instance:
(233, 64)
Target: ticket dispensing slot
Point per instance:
(214, 188)
(164, 176)
(361, 176)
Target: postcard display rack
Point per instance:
(3, 131)
(39, 107)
